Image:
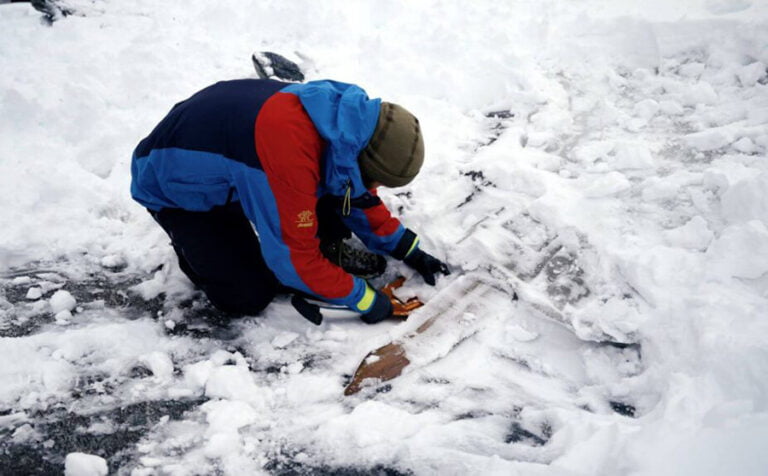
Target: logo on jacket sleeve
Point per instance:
(306, 219)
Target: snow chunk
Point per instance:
(34, 293)
(112, 261)
(151, 288)
(284, 339)
(745, 145)
(233, 382)
(646, 109)
(520, 334)
(220, 445)
(615, 317)
(611, 183)
(710, 139)
(694, 235)
(750, 74)
(741, 251)
(747, 200)
(7, 421)
(225, 418)
(592, 151)
(657, 189)
(159, 363)
(671, 108)
(699, 93)
(196, 375)
(25, 434)
(371, 425)
(81, 464)
(633, 156)
(224, 415)
(294, 368)
(63, 317)
(692, 69)
(62, 301)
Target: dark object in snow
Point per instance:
(203, 321)
(140, 371)
(518, 434)
(623, 408)
(308, 311)
(504, 114)
(427, 265)
(354, 260)
(52, 10)
(270, 65)
(476, 176)
(384, 363)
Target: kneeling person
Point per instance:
(299, 162)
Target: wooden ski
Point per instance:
(447, 308)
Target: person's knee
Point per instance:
(240, 300)
(242, 308)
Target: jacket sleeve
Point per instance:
(374, 224)
(289, 150)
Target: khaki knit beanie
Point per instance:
(395, 152)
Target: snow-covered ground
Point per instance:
(606, 159)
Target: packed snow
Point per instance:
(605, 162)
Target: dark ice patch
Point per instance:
(285, 467)
(518, 434)
(97, 289)
(59, 432)
(479, 182)
(623, 408)
(565, 279)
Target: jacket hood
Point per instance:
(346, 118)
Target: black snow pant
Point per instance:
(220, 253)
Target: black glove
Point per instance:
(427, 265)
(380, 309)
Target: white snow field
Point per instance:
(605, 159)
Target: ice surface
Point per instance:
(604, 160)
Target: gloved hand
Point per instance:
(380, 309)
(427, 265)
